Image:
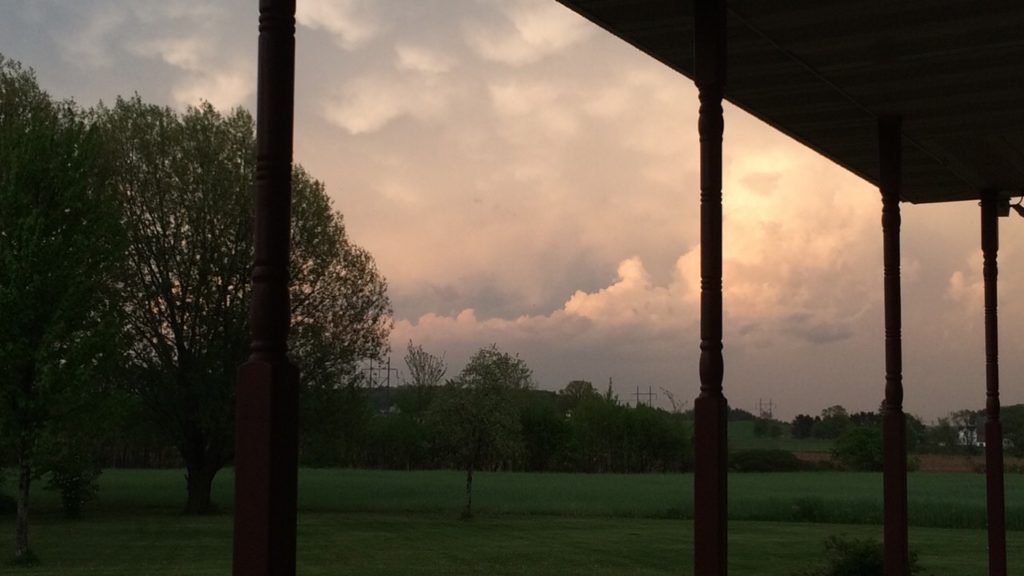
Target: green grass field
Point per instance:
(741, 437)
(374, 522)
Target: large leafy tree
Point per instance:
(59, 251)
(475, 419)
(185, 181)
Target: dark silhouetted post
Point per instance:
(266, 451)
(710, 482)
(894, 424)
(990, 208)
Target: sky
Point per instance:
(525, 179)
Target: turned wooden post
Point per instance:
(711, 407)
(266, 443)
(894, 424)
(990, 209)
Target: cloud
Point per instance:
(224, 90)
(531, 30)
(540, 104)
(91, 42)
(205, 76)
(808, 328)
(368, 104)
(348, 21)
(422, 59)
(632, 299)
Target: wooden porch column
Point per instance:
(266, 444)
(894, 425)
(710, 489)
(990, 208)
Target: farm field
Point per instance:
(742, 437)
(378, 522)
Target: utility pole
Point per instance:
(377, 373)
(650, 394)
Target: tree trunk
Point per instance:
(468, 512)
(21, 549)
(200, 482)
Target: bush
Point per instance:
(77, 483)
(765, 461)
(859, 448)
(855, 557)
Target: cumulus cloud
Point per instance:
(196, 56)
(540, 102)
(530, 31)
(222, 89)
(422, 59)
(631, 299)
(348, 21)
(204, 77)
(370, 103)
(91, 43)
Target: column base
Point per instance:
(711, 485)
(266, 468)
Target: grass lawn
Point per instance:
(376, 522)
(431, 544)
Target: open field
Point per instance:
(936, 500)
(741, 437)
(377, 522)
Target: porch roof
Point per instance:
(823, 71)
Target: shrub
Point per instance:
(765, 461)
(76, 480)
(855, 557)
(859, 448)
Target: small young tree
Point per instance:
(425, 369)
(474, 420)
(60, 254)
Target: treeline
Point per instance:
(577, 429)
(557, 432)
(960, 431)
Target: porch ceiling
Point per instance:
(822, 71)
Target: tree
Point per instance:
(860, 448)
(802, 426)
(475, 419)
(185, 182)
(834, 421)
(767, 428)
(545, 431)
(916, 433)
(340, 315)
(59, 252)
(942, 436)
(425, 369)
(576, 391)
